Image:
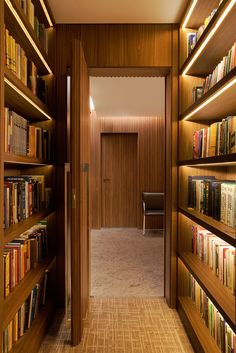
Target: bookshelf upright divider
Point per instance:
(27, 175)
(207, 175)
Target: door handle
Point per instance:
(106, 180)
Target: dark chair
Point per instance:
(153, 205)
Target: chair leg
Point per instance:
(143, 224)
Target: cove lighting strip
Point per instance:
(212, 32)
(9, 83)
(46, 13)
(210, 99)
(9, 4)
(189, 13)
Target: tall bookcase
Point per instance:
(217, 103)
(20, 99)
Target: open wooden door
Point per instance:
(80, 160)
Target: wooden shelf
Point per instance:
(14, 300)
(222, 106)
(212, 54)
(32, 339)
(41, 14)
(11, 158)
(16, 229)
(223, 160)
(220, 295)
(217, 228)
(195, 326)
(201, 11)
(22, 100)
(35, 51)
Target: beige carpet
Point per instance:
(124, 263)
(123, 325)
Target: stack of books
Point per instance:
(217, 139)
(24, 139)
(22, 67)
(214, 198)
(222, 69)
(39, 28)
(23, 254)
(23, 196)
(24, 318)
(220, 330)
(217, 254)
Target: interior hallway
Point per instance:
(124, 263)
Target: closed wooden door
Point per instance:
(119, 180)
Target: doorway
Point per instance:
(119, 180)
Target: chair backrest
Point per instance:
(153, 200)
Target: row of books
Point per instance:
(217, 139)
(217, 254)
(214, 198)
(193, 37)
(222, 333)
(221, 70)
(23, 197)
(23, 254)
(25, 316)
(24, 139)
(22, 67)
(39, 28)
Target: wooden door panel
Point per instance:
(80, 159)
(119, 180)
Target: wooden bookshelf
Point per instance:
(14, 300)
(217, 103)
(22, 99)
(223, 160)
(28, 40)
(32, 339)
(11, 158)
(216, 227)
(214, 53)
(219, 294)
(19, 98)
(215, 110)
(16, 229)
(195, 326)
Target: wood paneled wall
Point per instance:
(151, 159)
(106, 46)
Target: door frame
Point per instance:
(138, 178)
(171, 157)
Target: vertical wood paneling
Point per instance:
(1, 160)
(171, 175)
(147, 45)
(151, 156)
